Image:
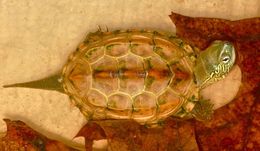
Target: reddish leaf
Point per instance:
(127, 135)
(253, 132)
(21, 137)
(201, 31)
(235, 126)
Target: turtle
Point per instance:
(142, 75)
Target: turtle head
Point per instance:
(214, 63)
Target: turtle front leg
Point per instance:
(200, 109)
(203, 110)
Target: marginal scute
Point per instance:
(167, 50)
(96, 98)
(111, 38)
(168, 101)
(80, 77)
(144, 105)
(119, 101)
(188, 49)
(119, 106)
(142, 46)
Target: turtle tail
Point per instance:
(53, 83)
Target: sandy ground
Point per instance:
(37, 36)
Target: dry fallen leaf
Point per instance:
(127, 135)
(201, 31)
(235, 126)
(20, 137)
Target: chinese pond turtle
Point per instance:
(141, 75)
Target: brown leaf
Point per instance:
(253, 131)
(201, 31)
(235, 126)
(128, 135)
(228, 128)
(21, 137)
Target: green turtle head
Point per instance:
(214, 63)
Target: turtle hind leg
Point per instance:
(96, 36)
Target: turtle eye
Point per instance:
(226, 59)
